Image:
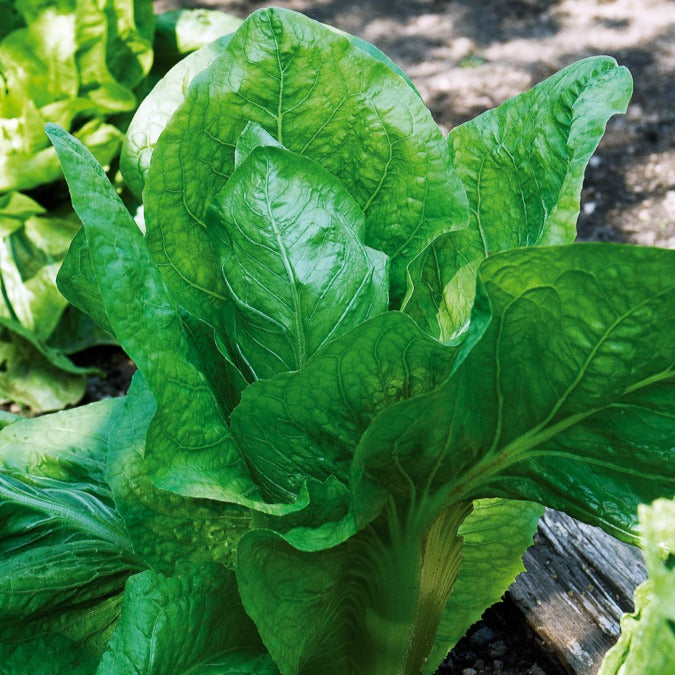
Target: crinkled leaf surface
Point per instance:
(567, 398)
(293, 261)
(522, 165)
(78, 283)
(323, 98)
(308, 423)
(192, 622)
(647, 642)
(165, 528)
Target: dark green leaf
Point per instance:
(308, 423)
(189, 448)
(567, 399)
(165, 528)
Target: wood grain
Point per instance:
(578, 584)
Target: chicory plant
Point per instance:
(367, 355)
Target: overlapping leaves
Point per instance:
(324, 509)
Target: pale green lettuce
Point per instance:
(647, 642)
(84, 65)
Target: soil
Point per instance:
(465, 56)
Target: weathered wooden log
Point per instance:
(578, 584)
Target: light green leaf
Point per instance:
(35, 375)
(567, 399)
(646, 645)
(66, 446)
(63, 549)
(293, 262)
(522, 165)
(165, 528)
(182, 31)
(322, 98)
(151, 636)
(155, 111)
(496, 534)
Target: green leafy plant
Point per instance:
(83, 65)
(367, 354)
(647, 642)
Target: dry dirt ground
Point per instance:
(468, 55)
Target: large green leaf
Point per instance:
(522, 165)
(165, 529)
(293, 262)
(46, 655)
(567, 399)
(189, 448)
(647, 642)
(78, 283)
(496, 534)
(323, 98)
(354, 608)
(370, 605)
(190, 622)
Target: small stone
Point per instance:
(482, 636)
(536, 669)
(469, 671)
(497, 648)
(498, 666)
